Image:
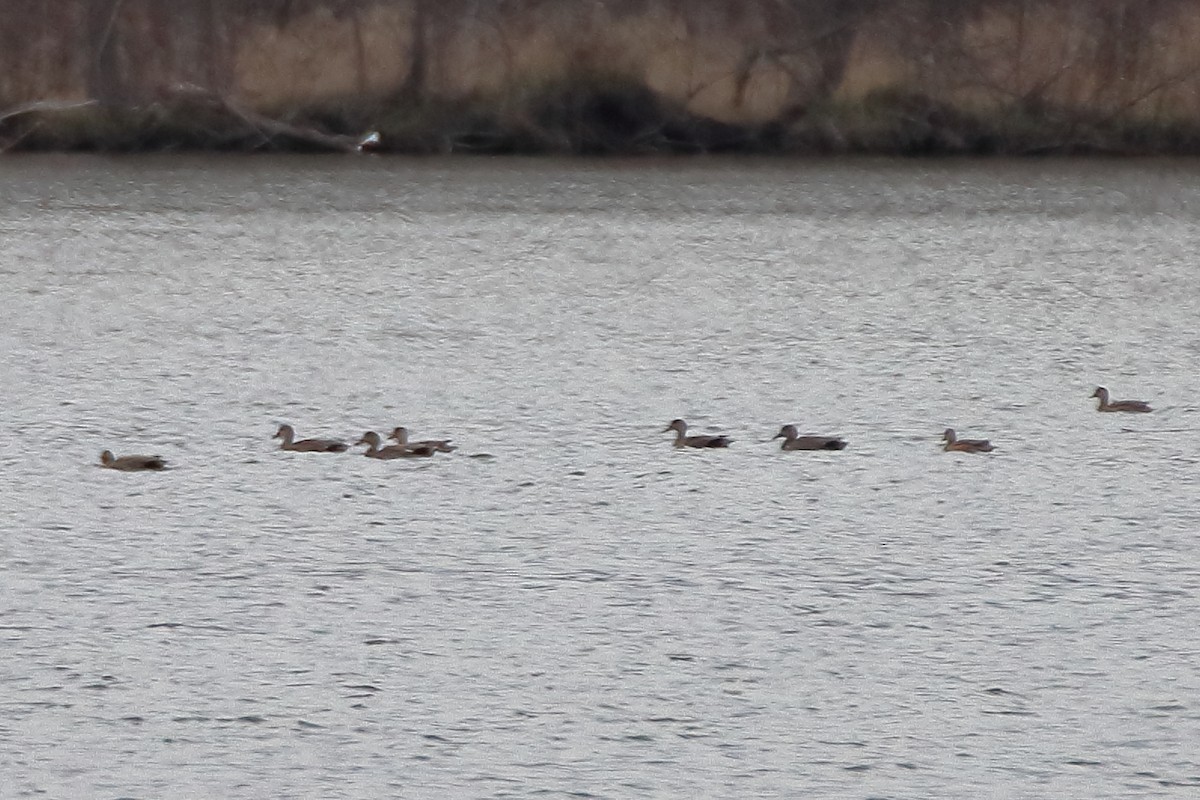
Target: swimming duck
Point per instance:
(400, 434)
(793, 441)
(132, 463)
(1135, 406)
(372, 441)
(683, 440)
(287, 434)
(956, 445)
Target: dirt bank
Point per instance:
(605, 75)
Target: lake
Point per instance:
(568, 606)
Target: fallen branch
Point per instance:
(43, 106)
(179, 103)
(267, 127)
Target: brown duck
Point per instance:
(956, 445)
(288, 435)
(372, 441)
(1133, 406)
(400, 435)
(794, 441)
(132, 463)
(683, 440)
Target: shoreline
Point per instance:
(597, 77)
(643, 127)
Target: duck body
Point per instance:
(400, 435)
(683, 440)
(956, 445)
(792, 440)
(288, 435)
(132, 463)
(1130, 406)
(372, 441)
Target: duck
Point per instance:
(956, 445)
(132, 463)
(1133, 406)
(288, 434)
(793, 441)
(683, 440)
(372, 441)
(400, 435)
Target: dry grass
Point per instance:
(905, 75)
(319, 59)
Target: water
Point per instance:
(588, 612)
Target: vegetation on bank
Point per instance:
(603, 76)
(589, 118)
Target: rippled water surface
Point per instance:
(588, 612)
